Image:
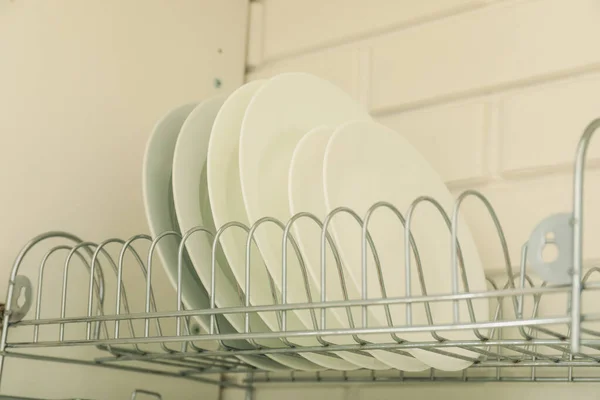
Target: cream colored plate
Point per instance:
(227, 205)
(365, 163)
(158, 200)
(281, 112)
(306, 195)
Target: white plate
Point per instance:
(158, 201)
(190, 195)
(227, 205)
(365, 163)
(306, 195)
(280, 113)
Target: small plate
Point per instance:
(366, 163)
(306, 195)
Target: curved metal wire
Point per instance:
(150, 301)
(519, 312)
(407, 234)
(126, 245)
(368, 239)
(100, 248)
(337, 259)
(582, 148)
(250, 240)
(38, 302)
(409, 246)
(151, 251)
(217, 240)
(302, 266)
(455, 246)
(213, 321)
(93, 282)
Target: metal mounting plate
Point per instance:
(21, 301)
(555, 230)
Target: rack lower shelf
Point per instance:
(524, 348)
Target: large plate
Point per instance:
(365, 163)
(158, 201)
(193, 208)
(280, 113)
(227, 205)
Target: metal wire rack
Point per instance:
(519, 342)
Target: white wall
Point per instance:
(81, 85)
(495, 93)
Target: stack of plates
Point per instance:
(291, 144)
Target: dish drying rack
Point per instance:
(545, 349)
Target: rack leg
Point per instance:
(578, 234)
(250, 387)
(5, 322)
(1, 368)
(249, 393)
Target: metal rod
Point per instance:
(456, 247)
(213, 268)
(96, 285)
(292, 334)
(151, 252)
(38, 296)
(325, 236)
(330, 304)
(314, 219)
(578, 233)
(380, 380)
(120, 285)
(121, 293)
